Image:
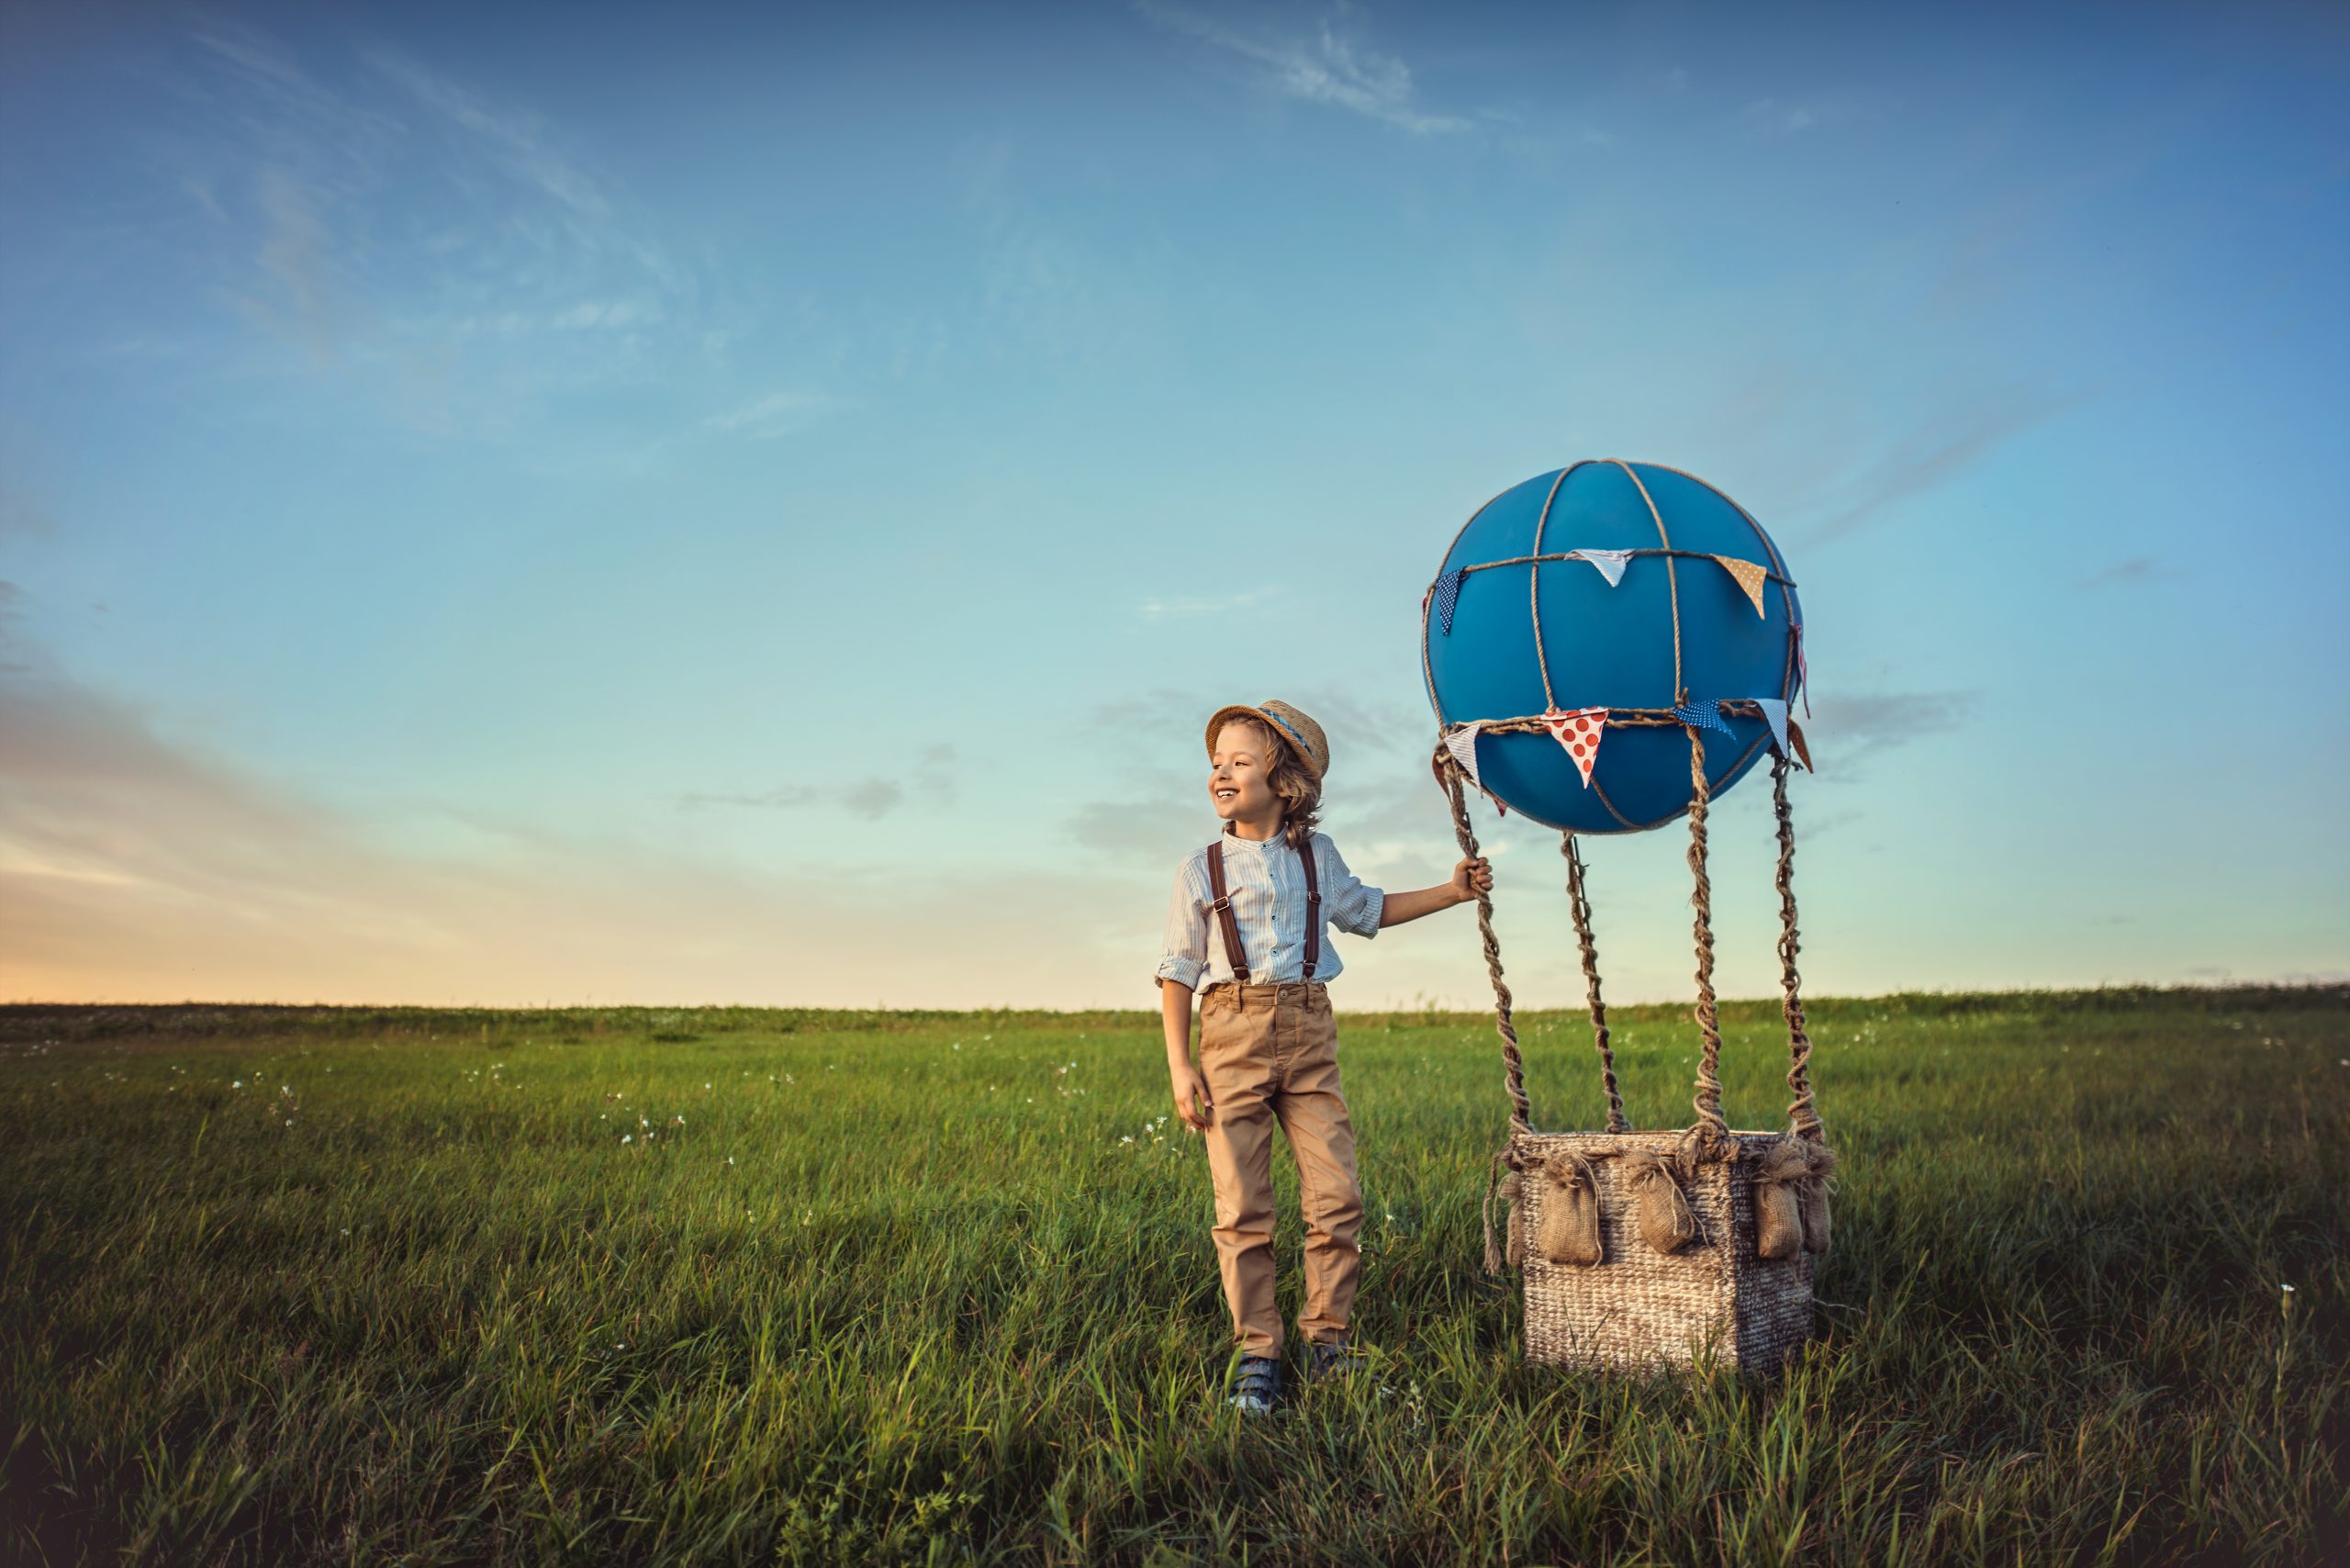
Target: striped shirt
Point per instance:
(1267, 882)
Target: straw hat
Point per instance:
(1303, 736)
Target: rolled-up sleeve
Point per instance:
(1354, 905)
(1183, 949)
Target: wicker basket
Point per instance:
(1638, 1307)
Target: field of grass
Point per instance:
(626, 1286)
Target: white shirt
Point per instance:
(1266, 884)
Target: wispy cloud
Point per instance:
(1160, 609)
(2136, 569)
(20, 515)
(1330, 66)
(519, 140)
(1851, 727)
(293, 254)
(403, 229)
(872, 797)
(1961, 429)
(1781, 116)
(779, 414)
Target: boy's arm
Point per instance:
(1183, 1075)
(1468, 879)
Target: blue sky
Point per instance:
(754, 505)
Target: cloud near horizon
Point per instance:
(137, 869)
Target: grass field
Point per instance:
(629, 1287)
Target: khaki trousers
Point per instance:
(1270, 1054)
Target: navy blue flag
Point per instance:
(1447, 591)
(1702, 715)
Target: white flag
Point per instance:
(1609, 562)
(1462, 745)
(1777, 712)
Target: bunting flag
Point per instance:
(1462, 745)
(1448, 592)
(1803, 751)
(1579, 731)
(1777, 712)
(1701, 714)
(1609, 562)
(1749, 576)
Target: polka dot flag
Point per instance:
(1579, 731)
(1448, 593)
(1705, 713)
(1749, 576)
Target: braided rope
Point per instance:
(1671, 578)
(1521, 1115)
(1709, 1137)
(1582, 907)
(1769, 573)
(1534, 584)
(1800, 1113)
(1622, 718)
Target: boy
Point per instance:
(1270, 887)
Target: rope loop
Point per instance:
(1521, 1117)
(1582, 907)
(1801, 1115)
(1709, 1133)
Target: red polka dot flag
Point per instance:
(1579, 731)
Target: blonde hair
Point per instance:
(1293, 783)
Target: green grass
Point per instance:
(897, 1289)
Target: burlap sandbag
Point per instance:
(1778, 1216)
(1811, 1201)
(1568, 1231)
(1667, 1223)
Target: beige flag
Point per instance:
(1749, 576)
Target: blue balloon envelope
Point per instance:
(1677, 626)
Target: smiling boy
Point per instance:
(1271, 887)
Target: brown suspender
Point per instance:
(1313, 913)
(1223, 907)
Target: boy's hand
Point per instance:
(1470, 878)
(1189, 1086)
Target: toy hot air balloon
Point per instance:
(1608, 647)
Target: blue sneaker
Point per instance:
(1256, 1385)
(1335, 1360)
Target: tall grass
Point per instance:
(733, 1286)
